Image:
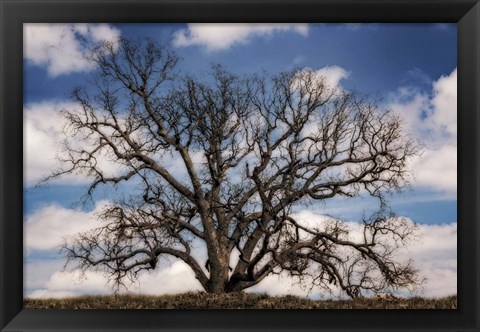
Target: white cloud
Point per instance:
(329, 76)
(434, 255)
(44, 137)
(445, 103)
(333, 74)
(36, 272)
(436, 258)
(433, 120)
(169, 278)
(220, 36)
(174, 279)
(409, 105)
(48, 294)
(47, 227)
(437, 168)
(61, 48)
(43, 128)
(281, 285)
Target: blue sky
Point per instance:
(381, 57)
(411, 67)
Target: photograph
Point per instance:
(240, 166)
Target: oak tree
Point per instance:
(247, 151)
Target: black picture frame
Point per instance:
(466, 13)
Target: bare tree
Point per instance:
(251, 150)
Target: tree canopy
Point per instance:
(249, 150)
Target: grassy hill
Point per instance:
(233, 301)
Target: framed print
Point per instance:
(160, 156)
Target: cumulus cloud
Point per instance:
(47, 227)
(437, 168)
(434, 255)
(221, 36)
(432, 118)
(334, 74)
(171, 277)
(167, 279)
(330, 76)
(61, 48)
(36, 272)
(43, 129)
(48, 294)
(444, 115)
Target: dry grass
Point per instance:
(233, 301)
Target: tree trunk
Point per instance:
(221, 285)
(234, 286)
(219, 269)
